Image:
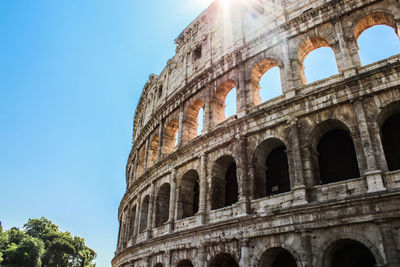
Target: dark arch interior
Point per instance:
(350, 253)
(337, 158)
(224, 183)
(231, 185)
(158, 265)
(224, 260)
(188, 203)
(132, 221)
(391, 141)
(185, 263)
(144, 214)
(277, 172)
(277, 257)
(162, 205)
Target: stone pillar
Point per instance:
(288, 87)
(299, 187)
(245, 253)
(202, 256)
(377, 141)
(347, 67)
(172, 200)
(160, 139)
(207, 110)
(389, 245)
(242, 173)
(138, 209)
(150, 213)
(146, 157)
(373, 175)
(306, 244)
(135, 166)
(242, 101)
(203, 187)
(180, 126)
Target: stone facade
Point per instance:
(308, 178)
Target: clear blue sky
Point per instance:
(71, 73)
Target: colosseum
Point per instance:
(310, 177)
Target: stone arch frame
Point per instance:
(188, 253)
(311, 43)
(186, 194)
(270, 142)
(260, 66)
(319, 129)
(376, 17)
(335, 237)
(141, 161)
(217, 186)
(144, 213)
(162, 199)
(231, 248)
(191, 123)
(169, 135)
(219, 97)
(284, 246)
(153, 150)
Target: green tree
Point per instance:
(43, 244)
(19, 249)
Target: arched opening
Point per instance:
(317, 60)
(277, 257)
(153, 151)
(170, 137)
(141, 161)
(376, 42)
(271, 169)
(224, 183)
(162, 205)
(224, 260)
(132, 221)
(337, 160)
(200, 121)
(265, 81)
(348, 253)
(188, 203)
(158, 265)
(185, 263)
(193, 120)
(144, 213)
(224, 105)
(390, 140)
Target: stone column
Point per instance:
(242, 173)
(136, 232)
(146, 157)
(202, 256)
(299, 187)
(389, 244)
(171, 215)
(347, 67)
(135, 166)
(306, 244)
(160, 139)
(150, 213)
(180, 125)
(288, 87)
(377, 141)
(207, 110)
(245, 253)
(242, 101)
(373, 175)
(203, 187)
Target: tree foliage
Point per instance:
(43, 244)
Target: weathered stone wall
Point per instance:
(223, 49)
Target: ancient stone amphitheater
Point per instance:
(307, 178)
